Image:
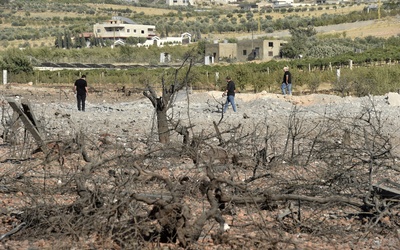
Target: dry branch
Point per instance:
(13, 231)
(285, 197)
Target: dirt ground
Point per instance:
(120, 123)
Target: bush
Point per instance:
(14, 61)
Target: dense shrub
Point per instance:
(15, 61)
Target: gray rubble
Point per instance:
(136, 118)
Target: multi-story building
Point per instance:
(243, 50)
(120, 28)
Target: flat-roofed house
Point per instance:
(243, 50)
(217, 52)
(120, 28)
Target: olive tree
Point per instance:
(163, 102)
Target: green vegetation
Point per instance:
(15, 61)
(313, 58)
(31, 21)
(372, 71)
(305, 43)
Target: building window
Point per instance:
(142, 32)
(270, 53)
(244, 52)
(175, 1)
(98, 30)
(128, 31)
(270, 44)
(134, 31)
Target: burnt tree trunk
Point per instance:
(161, 106)
(164, 102)
(162, 125)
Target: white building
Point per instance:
(282, 3)
(120, 28)
(179, 2)
(185, 38)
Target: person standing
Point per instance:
(81, 91)
(287, 81)
(230, 94)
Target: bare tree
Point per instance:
(326, 180)
(163, 103)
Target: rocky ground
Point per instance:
(112, 112)
(129, 120)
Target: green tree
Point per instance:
(82, 41)
(58, 42)
(201, 47)
(300, 42)
(258, 80)
(15, 61)
(67, 43)
(4, 2)
(77, 40)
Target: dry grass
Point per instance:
(316, 13)
(48, 14)
(145, 10)
(384, 28)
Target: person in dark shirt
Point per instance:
(81, 91)
(286, 82)
(230, 94)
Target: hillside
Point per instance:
(384, 28)
(33, 19)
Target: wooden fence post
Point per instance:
(28, 118)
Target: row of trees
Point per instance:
(69, 41)
(305, 43)
(206, 22)
(360, 80)
(314, 50)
